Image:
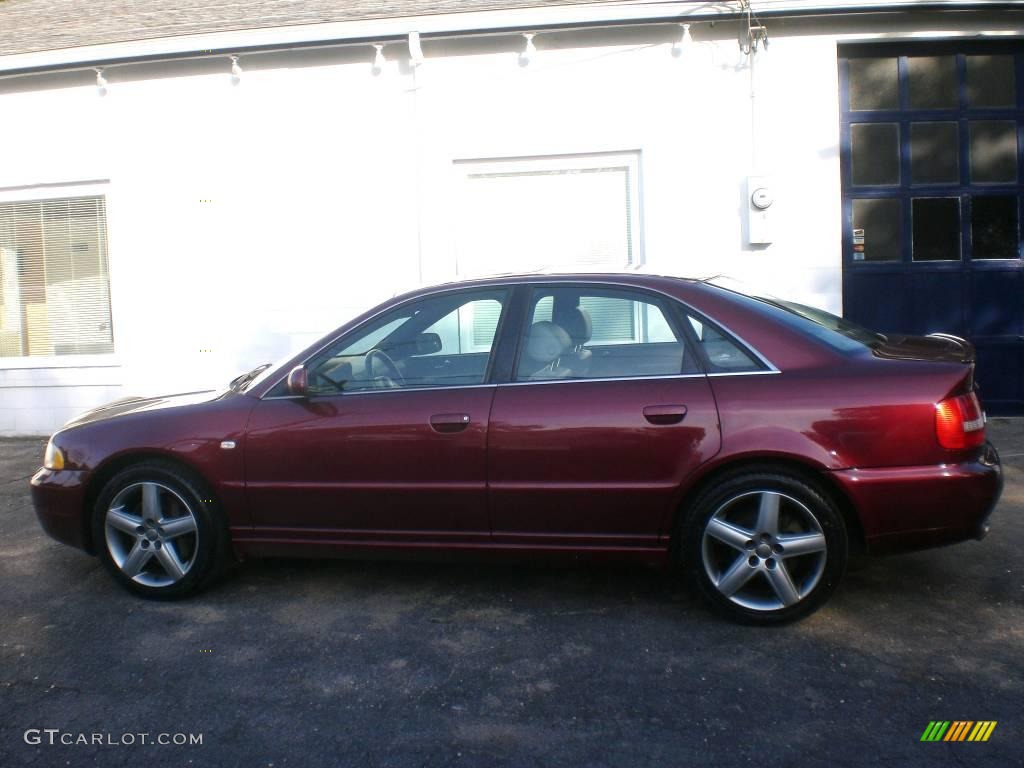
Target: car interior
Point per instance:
(442, 341)
(632, 337)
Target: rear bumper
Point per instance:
(58, 498)
(905, 508)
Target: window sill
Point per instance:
(60, 361)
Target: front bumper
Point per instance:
(59, 500)
(906, 508)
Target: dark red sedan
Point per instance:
(754, 441)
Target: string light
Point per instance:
(683, 44)
(529, 51)
(415, 50)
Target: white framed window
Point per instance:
(577, 212)
(54, 277)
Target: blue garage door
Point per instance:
(933, 198)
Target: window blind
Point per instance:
(485, 323)
(54, 278)
(523, 221)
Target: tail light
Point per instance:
(959, 422)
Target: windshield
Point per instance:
(836, 332)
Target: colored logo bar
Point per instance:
(959, 730)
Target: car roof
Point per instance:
(519, 277)
(637, 279)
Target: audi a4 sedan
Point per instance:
(754, 442)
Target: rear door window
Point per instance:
(579, 332)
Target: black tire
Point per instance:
(180, 494)
(735, 502)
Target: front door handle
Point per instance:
(665, 414)
(449, 422)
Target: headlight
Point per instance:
(54, 456)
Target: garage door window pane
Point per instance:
(932, 82)
(874, 84)
(934, 158)
(936, 222)
(994, 227)
(881, 221)
(991, 81)
(875, 153)
(993, 151)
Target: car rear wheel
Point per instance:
(158, 531)
(764, 547)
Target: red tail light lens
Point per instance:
(959, 422)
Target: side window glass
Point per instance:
(595, 333)
(467, 329)
(441, 341)
(724, 354)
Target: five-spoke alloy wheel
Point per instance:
(151, 534)
(158, 531)
(765, 547)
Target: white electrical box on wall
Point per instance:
(760, 199)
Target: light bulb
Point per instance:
(378, 59)
(236, 70)
(683, 43)
(529, 51)
(415, 50)
(101, 82)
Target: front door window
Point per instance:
(441, 341)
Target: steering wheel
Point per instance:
(391, 379)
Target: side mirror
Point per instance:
(298, 381)
(427, 343)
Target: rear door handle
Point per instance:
(449, 422)
(665, 414)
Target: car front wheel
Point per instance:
(764, 547)
(158, 531)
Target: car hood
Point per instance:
(128, 405)
(935, 347)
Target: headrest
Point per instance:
(546, 342)
(576, 322)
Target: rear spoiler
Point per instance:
(964, 344)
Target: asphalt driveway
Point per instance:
(334, 663)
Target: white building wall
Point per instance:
(332, 188)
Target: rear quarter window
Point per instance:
(722, 353)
